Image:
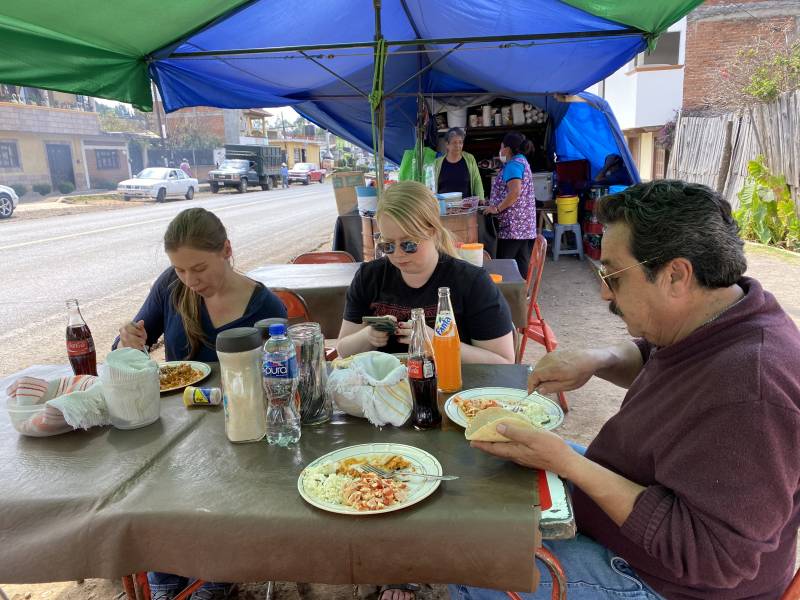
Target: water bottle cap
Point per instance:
(277, 329)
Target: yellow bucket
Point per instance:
(567, 209)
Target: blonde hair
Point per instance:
(416, 211)
(198, 229)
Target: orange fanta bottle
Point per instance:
(447, 345)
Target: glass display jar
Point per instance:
(309, 343)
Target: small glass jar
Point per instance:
(309, 343)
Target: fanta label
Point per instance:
(444, 326)
(280, 369)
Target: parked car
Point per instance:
(8, 201)
(159, 183)
(247, 166)
(306, 173)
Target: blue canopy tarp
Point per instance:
(565, 50)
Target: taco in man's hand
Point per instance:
(482, 427)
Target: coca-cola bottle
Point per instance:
(422, 375)
(80, 345)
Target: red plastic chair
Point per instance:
(793, 591)
(297, 311)
(318, 258)
(556, 572)
(296, 307)
(537, 329)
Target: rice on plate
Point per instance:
(337, 482)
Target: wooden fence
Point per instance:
(715, 150)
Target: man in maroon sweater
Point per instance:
(693, 484)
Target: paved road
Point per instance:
(108, 260)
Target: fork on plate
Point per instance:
(383, 473)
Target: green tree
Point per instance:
(759, 73)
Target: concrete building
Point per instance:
(53, 137)
(228, 126)
(645, 94)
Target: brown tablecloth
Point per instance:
(324, 287)
(178, 497)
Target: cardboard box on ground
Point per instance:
(344, 189)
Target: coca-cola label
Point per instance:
(79, 347)
(280, 369)
(420, 368)
(445, 326)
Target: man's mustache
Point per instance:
(614, 309)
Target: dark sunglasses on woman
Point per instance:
(408, 246)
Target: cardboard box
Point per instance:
(344, 188)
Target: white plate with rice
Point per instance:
(538, 409)
(321, 486)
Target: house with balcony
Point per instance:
(52, 138)
(646, 94)
(224, 125)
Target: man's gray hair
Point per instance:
(671, 219)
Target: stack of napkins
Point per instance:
(131, 385)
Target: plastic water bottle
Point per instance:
(430, 177)
(280, 378)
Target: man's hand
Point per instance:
(538, 449)
(562, 371)
(542, 449)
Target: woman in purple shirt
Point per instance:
(512, 200)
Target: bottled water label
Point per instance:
(280, 367)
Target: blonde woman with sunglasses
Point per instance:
(419, 258)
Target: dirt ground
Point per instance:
(570, 302)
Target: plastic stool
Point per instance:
(559, 231)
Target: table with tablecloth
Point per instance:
(324, 288)
(176, 496)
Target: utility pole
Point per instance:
(285, 144)
(157, 105)
(381, 110)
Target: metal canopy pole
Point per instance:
(381, 109)
(530, 37)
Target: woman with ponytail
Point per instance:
(196, 298)
(513, 202)
(200, 295)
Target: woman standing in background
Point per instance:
(512, 200)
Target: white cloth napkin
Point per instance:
(131, 385)
(71, 402)
(375, 386)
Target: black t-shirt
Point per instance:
(454, 177)
(481, 311)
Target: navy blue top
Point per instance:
(160, 316)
